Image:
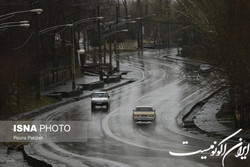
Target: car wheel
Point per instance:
(92, 106)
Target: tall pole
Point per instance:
(140, 37)
(110, 57)
(37, 84)
(115, 47)
(116, 22)
(99, 44)
(73, 64)
(126, 10)
(168, 22)
(110, 54)
(141, 28)
(104, 53)
(85, 48)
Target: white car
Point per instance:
(144, 114)
(100, 99)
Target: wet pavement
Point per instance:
(113, 139)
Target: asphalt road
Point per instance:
(113, 139)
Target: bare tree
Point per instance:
(224, 28)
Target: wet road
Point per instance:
(113, 139)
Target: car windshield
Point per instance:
(144, 109)
(100, 95)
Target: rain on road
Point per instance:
(113, 139)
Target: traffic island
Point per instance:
(72, 93)
(55, 95)
(92, 85)
(112, 78)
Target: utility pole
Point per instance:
(110, 54)
(168, 22)
(138, 3)
(38, 86)
(126, 10)
(104, 52)
(73, 63)
(38, 68)
(141, 28)
(99, 44)
(85, 48)
(115, 44)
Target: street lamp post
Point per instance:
(110, 54)
(72, 25)
(141, 30)
(114, 25)
(115, 44)
(99, 45)
(17, 25)
(38, 34)
(46, 30)
(73, 48)
(9, 15)
(141, 33)
(38, 68)
(110, 48)
(73, 63)
(25, 24)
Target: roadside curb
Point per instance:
(186, 60)
(34, 161)
(219, 134)
(166, 57)
(187, 111)
(200, 104)
(37, 161)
